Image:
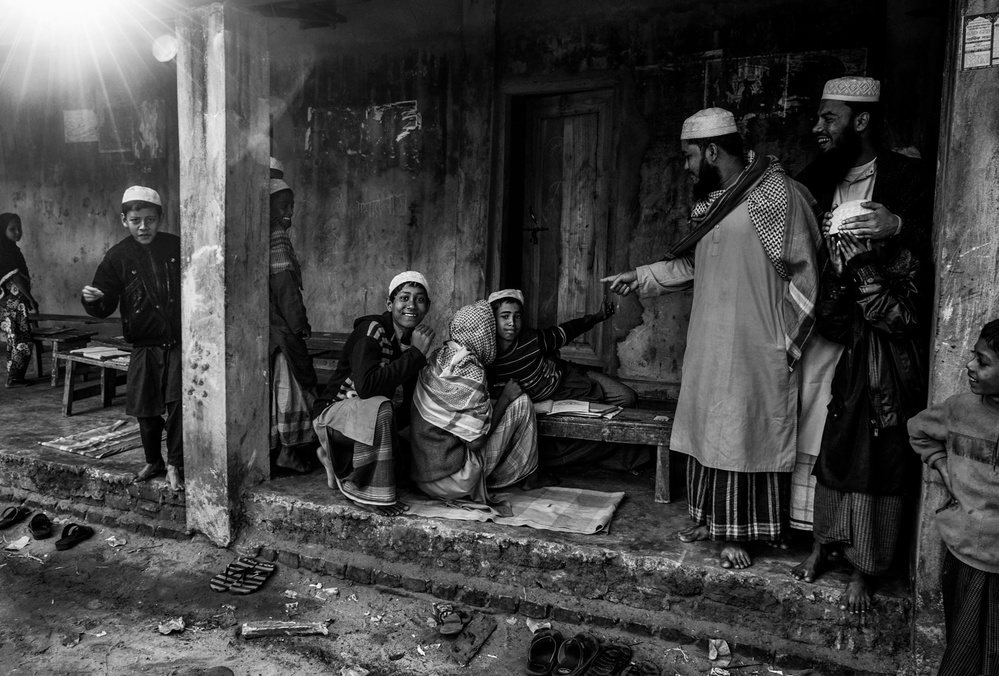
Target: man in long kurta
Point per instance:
(752, 261)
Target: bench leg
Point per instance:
(662, 473)
(107, 386)
(38, 345)
(67, 392)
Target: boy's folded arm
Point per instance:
(928, 433)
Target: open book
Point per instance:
(587, 409)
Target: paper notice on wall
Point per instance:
(995, 41)
(79, 126)
(978, 41)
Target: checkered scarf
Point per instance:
(451, 392)
(283, 254)
(781, 212)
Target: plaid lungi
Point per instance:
(291, 406)
(372, 477)
(971, 616)
(509, 455)
(867, 524)
(737, 506)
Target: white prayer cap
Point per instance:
(506, 294)
(408, 277)
(277, 169)
(277, 185)
(138, 192)
(853, 88)
(708, 123)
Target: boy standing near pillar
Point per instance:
(142, 274)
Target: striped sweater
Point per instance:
(533, 360)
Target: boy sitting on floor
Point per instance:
(142, 272)
(530, 357)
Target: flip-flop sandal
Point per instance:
(609, 660)
(72, 535)
(253, 579)
(544, 649)
(233, 573)
(40, 526)
(449, 620)
(12, 515)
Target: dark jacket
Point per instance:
(145, 280)
(374, 364)
(903, 185)
(873, 310)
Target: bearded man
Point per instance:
(896, 189)
(752, 259)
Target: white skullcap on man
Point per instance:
(506, 294)
(708, 123)
(853, 88)
(141, 193)
(277, 185)
(277, 169)
(408, 277)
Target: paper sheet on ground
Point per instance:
(567, 510)
(100, 442)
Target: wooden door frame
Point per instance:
(511, 89)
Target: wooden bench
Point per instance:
(63, 339)
(109, 369)
(630, 426)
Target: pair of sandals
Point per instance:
(41, 527)
(450, 620)
(581, 655)
(243, 576)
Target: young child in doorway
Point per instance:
(142, 273)
(531, 358)
(865, 470)
(15, 300)
(960, 439)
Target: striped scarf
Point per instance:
(451, 392)
(283, 255)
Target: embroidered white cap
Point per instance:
(708, 123)
(138, 192)
(276, 165)
(408, 277)
(277, 185)
(853, 88)
(514, 294)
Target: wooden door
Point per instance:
(565, 232)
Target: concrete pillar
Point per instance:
(966, 223)
(222, 92)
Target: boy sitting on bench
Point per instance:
(530, 357)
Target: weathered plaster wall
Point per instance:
(384, 128)
(68, 194)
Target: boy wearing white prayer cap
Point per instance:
(751, 257)
(141, 273)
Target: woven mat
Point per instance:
(101, 442)
(567, 510)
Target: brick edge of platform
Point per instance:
(844, 656)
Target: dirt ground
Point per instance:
(96, 609)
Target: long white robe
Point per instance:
(738, 403)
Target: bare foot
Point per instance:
(733, 555)
(327, 462)
(780, 543)
(857, 597)
(150, 471)
(809, 569)
(175, 477)
(288, 459)
(694, 534)
(397, 509)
